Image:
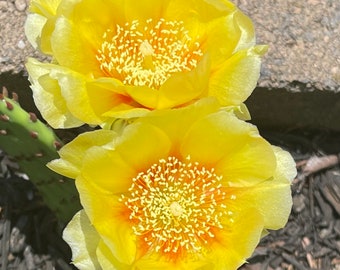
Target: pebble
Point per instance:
(17, 241)
(20, 5)
(21, 44)
(3, 6)
(299, 203)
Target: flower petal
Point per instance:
(251, 163)
(108, 169)
(33, 27)
(135, 151)
(137, 145)
(276, 206)
(184, 87)
(106, 96)
(83, 240)
(75, 93)
(48, 96)
(236, 243)
(107, 260)
(286, 166)
(70, 50)
(233, 147)
(71, 155)
(113, 224)
(236, 78)
(272, 198)
(185, 117)
(46, 8)
(143, 10)
(203, 11)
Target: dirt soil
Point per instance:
(30, 237)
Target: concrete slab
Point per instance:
(299, 86)
(304, 43)
(300, 79)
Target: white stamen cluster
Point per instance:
(176, 206)
(147, 55)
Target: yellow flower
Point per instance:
(189, 188)
(115, 58)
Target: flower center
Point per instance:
(176, 206)
(147, 55)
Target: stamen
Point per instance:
(176, 206)
(147, 57)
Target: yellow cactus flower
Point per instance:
(122, 58)
(188, 188)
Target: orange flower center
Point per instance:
(176, 207)
(147, 55)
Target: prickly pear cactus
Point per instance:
(33, 144)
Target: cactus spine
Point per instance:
(33, 144)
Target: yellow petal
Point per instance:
(106, 96)
(112, 224)
(249, 164)
(108, 169)
(276, 206)
(45, 8)
(272, 198)
(236, 243)
(74, 92)
(141, 145)
(70, 51)
(107, 260)
(123, 112)
(203, 11)
(144, 95)
(217, 35)
(143, 10)
(48, 96)
(83, 240)
(184, 87)
(241, 111)
(156, 262)
(246, 27)
(224, 35)
(233, 82)
(71, 155)
(286, 167)
(233, 147)
(33, 27)
(40, 24)
(175, 122)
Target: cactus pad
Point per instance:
(32, 144)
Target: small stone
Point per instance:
(20, 5)
(324, 233)
(17, 241)
(298, 203)
(3, 5)
(21, 44)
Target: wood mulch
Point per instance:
(30, 235)
(311, 238)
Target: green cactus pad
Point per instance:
(32, 144)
